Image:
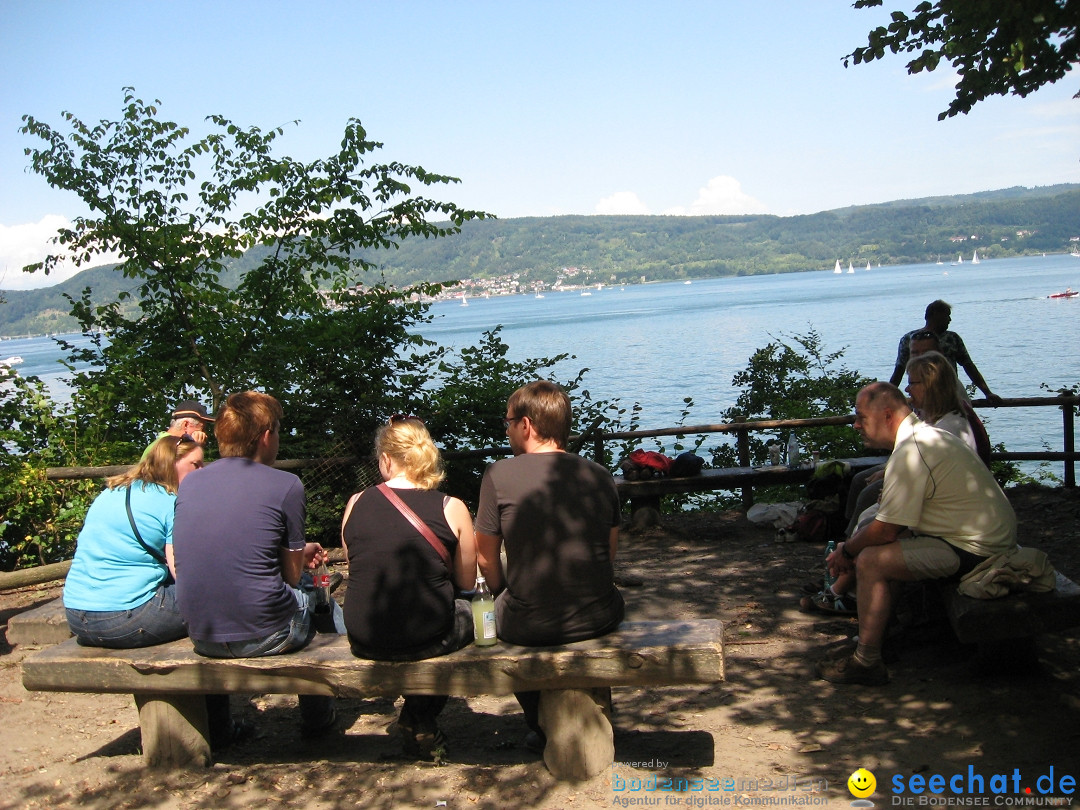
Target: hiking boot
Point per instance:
(848, 670)
(827, 602)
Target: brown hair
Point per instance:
(409, 444)
(548, 408)
(158, 466)
(245, 417)
(939, 385)
(937, 307)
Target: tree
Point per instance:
(997, 46)
(300, 325)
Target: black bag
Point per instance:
(686, 465)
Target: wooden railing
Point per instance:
(742, 429)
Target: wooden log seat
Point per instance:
(168, 681)
(990, 623)
(647, 492)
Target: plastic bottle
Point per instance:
(830, 547)
(792, 450)
(321, 579)
(483, 611)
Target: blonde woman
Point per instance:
(120, 590)
(401, 601)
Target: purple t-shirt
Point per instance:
(233, 517)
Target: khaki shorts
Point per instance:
(929, 557)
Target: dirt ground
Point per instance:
(944, 712)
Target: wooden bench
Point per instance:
(647, 493)
(996, 624)
(168, 682)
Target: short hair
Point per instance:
(938, 307)
(158, 466)
(548, 408)
(243, 420)
(883, 394)
(409, 444)
(939, 385)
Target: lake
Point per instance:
(656, 344)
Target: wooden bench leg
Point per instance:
(174, 729)
(577, 722)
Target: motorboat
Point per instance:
(1068, 293)
(14, 360)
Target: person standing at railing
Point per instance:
(938, 316)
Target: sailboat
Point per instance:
(850, 269)
(975, 257)
(867, 264)
(464, 303)
(837, 268)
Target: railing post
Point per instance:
(1069, 444)
(742, 446)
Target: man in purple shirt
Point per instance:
(238, 538)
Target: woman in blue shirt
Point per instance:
(120, 590)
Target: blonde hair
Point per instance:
(243, 420)
(158, 466)
(939, 385)
(409, 444)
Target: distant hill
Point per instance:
(629, 249)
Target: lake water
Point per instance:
(658, 343)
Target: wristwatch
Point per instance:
(845, 552)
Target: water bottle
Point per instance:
(483, 611)
(321, 580)
(830, 547)
(792, 450)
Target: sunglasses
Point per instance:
(186, 438)
(401, 417)
(924, 335)
(509, 420)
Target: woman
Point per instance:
(400, 604)
(932, 387)
(120, 590)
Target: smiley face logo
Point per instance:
(861, 783)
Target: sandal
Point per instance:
(827, 602)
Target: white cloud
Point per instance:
(622, 202)
(722, 195)
(21, 245)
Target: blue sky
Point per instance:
(541, 108)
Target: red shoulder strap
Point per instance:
(418, 524)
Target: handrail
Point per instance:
(1068, 455)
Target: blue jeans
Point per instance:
(156, 621)
(316, 711)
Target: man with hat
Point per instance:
(188, 419)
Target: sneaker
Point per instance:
(848, 670)
(429, 746)
(826, 602)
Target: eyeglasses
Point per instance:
(186, 438)
(507, 420)
(401, 417)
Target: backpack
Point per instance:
(811, 525)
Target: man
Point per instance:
(189, 419)
(558, 515)
(238, 539)
(941, 514)
(938, 316)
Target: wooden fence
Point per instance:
(742, 429)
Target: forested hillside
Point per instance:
(629, 249)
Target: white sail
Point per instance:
(850, 269)
(867, 264)
(837, 268)
(975, 257)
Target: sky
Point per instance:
(683, 107)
